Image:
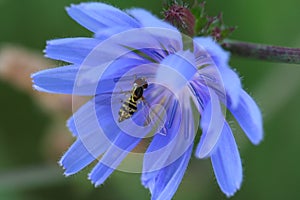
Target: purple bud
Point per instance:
(181, 17)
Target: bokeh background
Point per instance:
(33, 135)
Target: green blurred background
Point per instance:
(33, 138)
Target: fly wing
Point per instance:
(116, 97)
(155, 116)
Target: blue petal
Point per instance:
(215, 51)
(249, 117)
(116, 77)
(165, 150)
(162, 145)
(148, 20)
(92, 141)
(62, 80)
(102, 117)
(103, 34)
(113, 157)
(212, 122)
(227, 163)
(72, 126)
(86, 79)
(176, 70)
(199, 96)
(224, 81)
(100, 173)
(165, 183)
(173, 112)
(232, 84)
(119, 149)
(166, 35)
(55, 80)
(97, 16)
(155, 39)
(228, 78)
(72, 50)
(84, 121)
(76, 158)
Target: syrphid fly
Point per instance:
(129, 106)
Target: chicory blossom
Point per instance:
(190, 85)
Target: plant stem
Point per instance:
(263, 52)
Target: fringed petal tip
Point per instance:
(77, 12)
(76, 158)
(94, 182)
(40, 89)
(33, 77)
(45, 51)
(61, 164)
(87, 5)
(96, 16)
(73, 6)
(89, 176)
(258, 141)
(70, 50)
(35, 82)
(235, 188)
(55, 80)
(72, 126)
(230, 194)
(99, 174)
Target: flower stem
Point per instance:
(263, 52)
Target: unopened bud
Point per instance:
(181, 17)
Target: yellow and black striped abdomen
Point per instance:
(127, 109)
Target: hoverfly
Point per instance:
(129, 106)
(125, 103)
